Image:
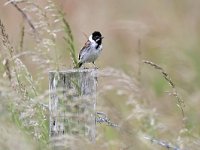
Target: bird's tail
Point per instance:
(78, 65)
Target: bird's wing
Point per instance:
(84, 49)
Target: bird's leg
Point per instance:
(95, 65)
(85, 67)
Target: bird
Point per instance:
(91, 50)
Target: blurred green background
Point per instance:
(133, 94)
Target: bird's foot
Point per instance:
(96, 67)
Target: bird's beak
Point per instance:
(102, 37)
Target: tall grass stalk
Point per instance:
(69, 39)
(22, 83)
(25, 16)
(21, 42)
(180, 102)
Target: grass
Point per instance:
(69, 39)
(131, 115)
(180, 102)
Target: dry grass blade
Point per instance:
(25, 16)
(5, 40)
(162, 143)
(21, 43)
(166, 76)
(7, 69)
(102, 118)
(16, 1)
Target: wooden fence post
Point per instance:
(72, 102)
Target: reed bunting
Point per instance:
(91, 50)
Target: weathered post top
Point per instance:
(72, 102)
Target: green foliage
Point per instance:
(69, 40)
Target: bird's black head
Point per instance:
(97, 37)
